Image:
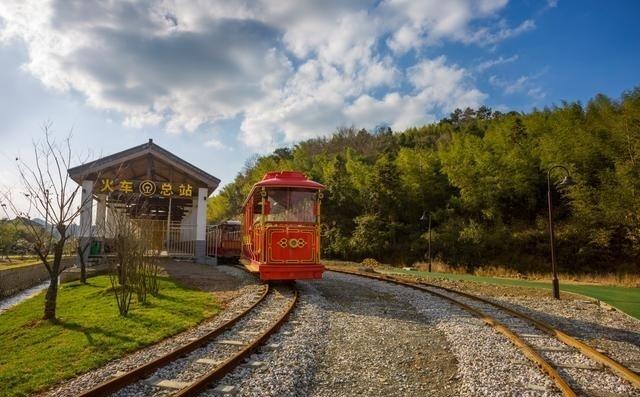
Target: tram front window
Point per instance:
(287, 205)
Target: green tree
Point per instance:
(8, 237)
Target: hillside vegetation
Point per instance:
(482, 175)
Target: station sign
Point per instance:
(146, 187)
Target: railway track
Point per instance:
(573, 366)
(192, 368)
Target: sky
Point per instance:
(217, 82)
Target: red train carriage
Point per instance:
(228, 239)
(281, 227)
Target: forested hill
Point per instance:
(482, 174)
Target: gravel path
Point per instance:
(357, 337)
(348, 340)
(488, 364)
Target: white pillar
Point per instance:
(201, 225)
(86, 211)
(101, 214)
(201, 214)
(86, 208)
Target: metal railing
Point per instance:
(173, 239)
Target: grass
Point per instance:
(621, 279)
(36, 354)
(624, 298)
(17, 261)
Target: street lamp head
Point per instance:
(566, 181)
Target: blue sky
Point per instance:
(218, 82)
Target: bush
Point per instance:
(370, 262)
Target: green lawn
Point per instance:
(17, 261)
(35, 354)
(623, 298)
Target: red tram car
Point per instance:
(281, 227)
(227, 236)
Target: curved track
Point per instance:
(220, 371)
(217, 371)
(518, 338)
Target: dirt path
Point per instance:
(224, 286)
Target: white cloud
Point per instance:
(523, 84)
(488, 64)
(216, 144)
(536, 93)
(492, 35)
(509, 87)
(438, 87)
(287, 70)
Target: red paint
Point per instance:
(278, 249)
(302, 239)
(290, 272)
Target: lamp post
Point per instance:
(424, 218)
(565, 182)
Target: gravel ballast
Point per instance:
(289, 369)
(617, 334)
(347, 340)
(582, 373)
(488, 364)
(187, 369)
(352, 336)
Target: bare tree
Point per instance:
(135, 265)
(80, 245)
(51, 195)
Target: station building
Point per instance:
(150, 184)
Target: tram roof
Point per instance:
(145, 161)
(290, 179)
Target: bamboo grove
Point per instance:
(481, 174)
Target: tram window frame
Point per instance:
(289, 213)
(256, 210)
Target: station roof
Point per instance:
(146, 161)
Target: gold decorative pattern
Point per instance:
(292, 243)
(297, 243)
(310, 238)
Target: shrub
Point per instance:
(370, 262)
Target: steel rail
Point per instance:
(584, 348)
(228, 365)
(112, 385)
(527, 350)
